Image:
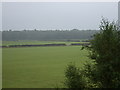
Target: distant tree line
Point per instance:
(47, 35)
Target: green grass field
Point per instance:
(39, 67)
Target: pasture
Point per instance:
(39, 67)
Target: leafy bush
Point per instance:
(74, 77)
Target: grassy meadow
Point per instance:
(39, 67)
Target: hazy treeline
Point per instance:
(47, 35)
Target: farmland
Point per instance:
(39, 67)
(28, 66)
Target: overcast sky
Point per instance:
(59, 15)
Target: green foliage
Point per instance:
(74, 77)
(80, 78)
(104, 50)
(105, 47)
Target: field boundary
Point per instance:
(44, 45)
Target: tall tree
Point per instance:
(105, 48)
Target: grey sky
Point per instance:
(119, 13)
(59, 15)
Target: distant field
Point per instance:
(39, 67)
(6, 43)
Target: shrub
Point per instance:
(74, 77)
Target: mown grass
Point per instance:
(39, 67)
